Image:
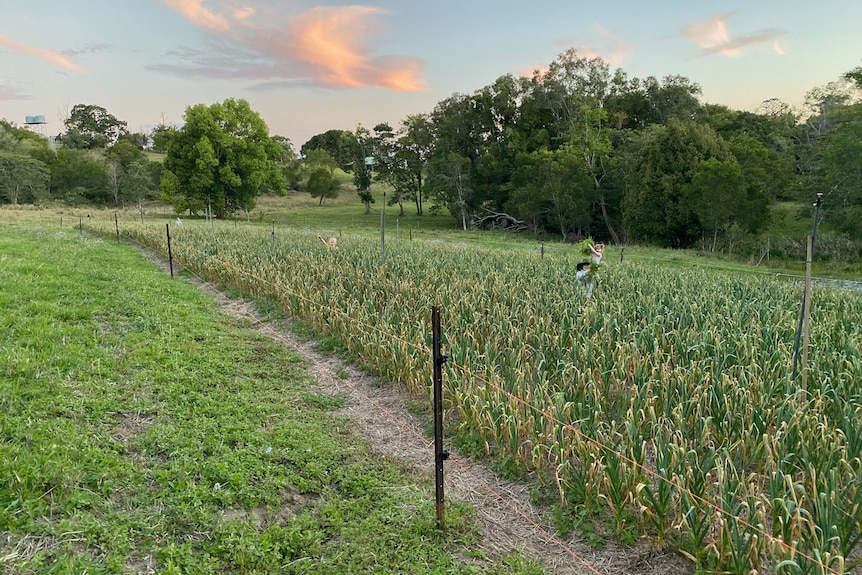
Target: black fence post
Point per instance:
(81, 225)
(543, 249)
(440, 454)
(170, 253)
(117, 226)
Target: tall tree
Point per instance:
(402, 159)
(449, 184)
(161, 136)
(320, 158)
(552, 189)
(717, 194)
(221, 160)
(289, 162)
(341, 145)
(842, 159)
(89, 127)
(590, 139)
(655, 209)
(363, 166)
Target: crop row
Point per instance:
(664, 402)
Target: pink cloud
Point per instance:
(610, 47)
(331, 41)
(328, 46)
(50, 56)
(713, 37)
(711, 34)
(328, 39)
(243, 13)
(195, 12)
(9, 93)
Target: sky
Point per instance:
(308, 67)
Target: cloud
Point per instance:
(243, 13)
(608, 46)
(713, 37)
(324, 46)
(331, 41)
(88, 49)
(50, 56)
(10, 93)
(195, 13)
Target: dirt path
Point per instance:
(381, 415)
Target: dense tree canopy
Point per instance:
(583, 149)
(89, 127)
(341, 145)
(23, 179)
(221, 160)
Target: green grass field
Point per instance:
(141, 430)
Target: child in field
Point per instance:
(332, 244)
(598, 250)
(584, 278)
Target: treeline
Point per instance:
(95, 161)
(581, 149)
(576, 150)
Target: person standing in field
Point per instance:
(598, 250)
(584, 278)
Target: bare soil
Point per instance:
(507, 518)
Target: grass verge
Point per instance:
(141, 430)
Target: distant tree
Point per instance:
(15, 139)
(342, 146)
(320, 158)
(140, 141)
(590, 139)
(289, 162)
(321, 184)
(363, 166)
(138, 181)
(124, 152)
(674, 98)
(717, 195)
(449, 184)
(842, 161)
(402, 159)
(76, 177)
(89, 127)
(23, 179)
(553, 190)
(161, 136)
(221, 159)
(655, 207)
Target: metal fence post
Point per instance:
(440, 454)
(170, 253)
